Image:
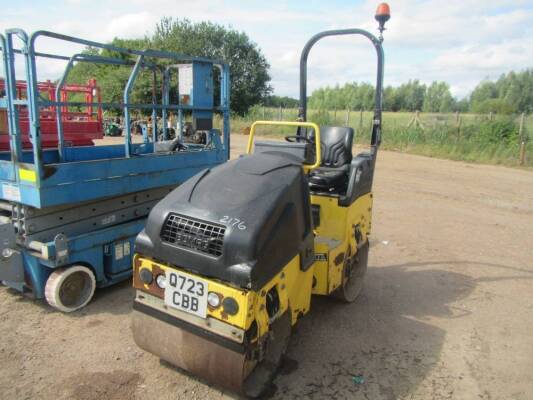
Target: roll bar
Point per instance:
(382, 15)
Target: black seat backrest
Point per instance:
(336, 145)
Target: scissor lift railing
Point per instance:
(84, 205)
(53, 177)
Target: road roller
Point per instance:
(227, 262)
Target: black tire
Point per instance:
(353, 276)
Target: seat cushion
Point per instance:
(329, 179)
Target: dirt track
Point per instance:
(446, 313)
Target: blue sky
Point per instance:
(459, 41)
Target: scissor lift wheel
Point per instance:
(69, 289)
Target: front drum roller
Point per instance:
(207, 358)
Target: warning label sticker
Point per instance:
(119, 251)
(10, 192)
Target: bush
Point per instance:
(500, 131)
(499, 106)
(321, 118)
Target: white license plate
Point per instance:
(186, 293)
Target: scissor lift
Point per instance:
(70, 214)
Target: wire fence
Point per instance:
(492, 138)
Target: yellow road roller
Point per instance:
(228, 261)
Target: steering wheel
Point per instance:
(297, 139)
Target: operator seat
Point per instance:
(336, 147)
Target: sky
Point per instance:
(458, 41)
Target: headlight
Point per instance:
(230, 306)
(161, 281)
(146, 276)
(213, 299)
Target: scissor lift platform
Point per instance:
(93, 172)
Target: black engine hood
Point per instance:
(259, 206)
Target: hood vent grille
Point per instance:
(200, 236)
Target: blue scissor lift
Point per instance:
(69, 215)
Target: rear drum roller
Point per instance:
(354, 272)
(69, 289)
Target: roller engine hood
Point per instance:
(240, 222)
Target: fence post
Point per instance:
(264, 113)
(522, 140)
(413, 120)
(416, 121)
(280, 115)
(347, 117)
(335, 116)
(361, 120)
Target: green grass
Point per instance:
(477, 139)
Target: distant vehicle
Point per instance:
(80, 127)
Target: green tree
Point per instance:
(485, 90)
(462, 105)
(511, 93)
(410, 96)
(438, 98)
(280, 101)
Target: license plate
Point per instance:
(186, 293)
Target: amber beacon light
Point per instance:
(382, 16)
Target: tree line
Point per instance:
(511, 93)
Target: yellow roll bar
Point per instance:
(318, 153)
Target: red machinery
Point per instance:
(79, 127)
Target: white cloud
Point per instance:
(474, 63)
(488, 58)
(443, 25)
(131, 26)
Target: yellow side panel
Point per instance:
(336, 222)
(335, 235)
(298, 287)
(294, 288)
(332, 217)
(328, 274)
